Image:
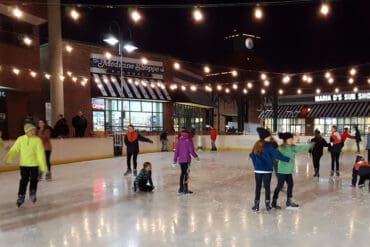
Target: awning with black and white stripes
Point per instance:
(285, 111)
(133, 88)
(353, 109)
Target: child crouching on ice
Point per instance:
(360, 168)
(285, 169)
(31, 160)
(144, 177)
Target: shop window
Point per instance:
(135, 106)
(147, 106)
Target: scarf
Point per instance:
(132, 136)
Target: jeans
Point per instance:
(288, 178)
(129, 155)
(184, 176)
(214, 148)
(47, 156)
(266, 178)
(335, 159)
(28, 174)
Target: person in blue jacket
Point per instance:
(262, 154)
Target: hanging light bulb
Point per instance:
(286, 79)
(318, 90)
(368, 81)
(263, 76)
(135, 15)
(336, 90)
(33, 74)
(281, 91)
(327, 75)
(227, 90)
(197, 15)
(17, 12)
(324, 9)
(266, 83)
(309, 79)
(61, 77)
(206, 69)
(351, 80)
(245, 91)
(74, 14)
(331, 80)
(69, 48)
(234, 73)
(193, 88)
(249, 85)
(263, 91)
(27, 41)
(74, 79)
(299, 91)
(353, 71)
(219, 87)
(355, 89)
(183, 88)
(47, 76)
(16, 71)
(176, 65)
(304, 77)
(235, 86)
(144, 60)
(69, 73)
(108, 55)
(258, 13)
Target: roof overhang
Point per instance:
(29, 18)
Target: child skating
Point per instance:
(262, 157)
(143, 181)
(184, 149)
(360, 168)
(31, 160)
(286, 169)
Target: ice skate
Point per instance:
(186, 190)
(291, 204)
(48, 176)
(274, 205)
(135, 172)
(337, 173)
(256, 206)
(331, 173)
(267, 204)
(20, 200)
(33, 197)
(127, 172)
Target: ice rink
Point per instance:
(91, 204)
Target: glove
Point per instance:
(174, 165)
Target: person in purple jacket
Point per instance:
(184, 149)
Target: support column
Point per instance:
(55, 59)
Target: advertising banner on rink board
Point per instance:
(131, 67)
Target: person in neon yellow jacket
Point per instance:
(285, 169)
(31, 160)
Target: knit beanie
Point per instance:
(28, 127)
(263, 133)
(285, 136)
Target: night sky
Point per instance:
(294, 37)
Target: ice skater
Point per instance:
(184, 149)
(317, 151)
(132, 139)
(286, 169)
(31, 160)
(213, 136)
(262, 154)
(143, 181)
(335, 148)
(357, 137)
(44, 132)
(360, 168)
(368, 144)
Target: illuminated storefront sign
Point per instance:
(342, 97)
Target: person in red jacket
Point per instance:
(213, 136)
(360, 168)
(345, 134)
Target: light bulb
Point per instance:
(197, 15)
(135, 15)
(324, 9)
(258, 13)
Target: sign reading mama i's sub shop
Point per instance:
(363, 96)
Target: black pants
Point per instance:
(266, 178)
(316, 161)
(288, 178)
(358, 146)
(129, 155)
(335, 160)
(354, 176)
(363, 178)
(184, 176)
(28, 174)
(79, 132)
(368, 155)
(47, 155)
(145, 187)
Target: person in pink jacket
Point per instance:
(184, 149)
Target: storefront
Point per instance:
(134, 95)
(303, 114)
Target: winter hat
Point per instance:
(263, 133)
(28, 127)
(285, 136)
(317, 131)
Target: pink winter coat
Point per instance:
(184, 148)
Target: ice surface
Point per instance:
(91, 204)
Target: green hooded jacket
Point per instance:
(290, 151)
(31, 150)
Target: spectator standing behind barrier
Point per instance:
(79, 122)
(44, 132)
(132, 139)
(213, 136)
(164, 140)
(357, 138)
(61, 128)
(368, 144)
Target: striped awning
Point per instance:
(133, 88)
(285, 111)
(353, 109)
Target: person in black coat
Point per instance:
(61, 128)
(317, 151)
(357, 138)
(79, 122)
(131, 140)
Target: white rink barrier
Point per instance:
(82, 149)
